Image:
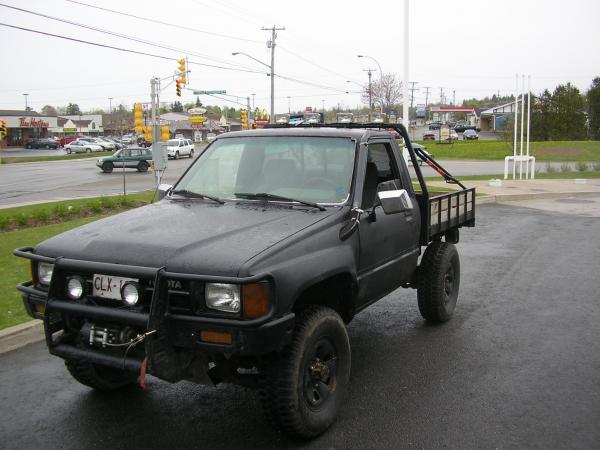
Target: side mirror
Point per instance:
(395, 201)
(163, 189)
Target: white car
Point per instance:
(82, 147)
(105, 144)
(180, 147)
(211, 137)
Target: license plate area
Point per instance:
(109, 286)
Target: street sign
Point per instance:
(196, 125)
(195, 111)
(197, 119)
(209, 92)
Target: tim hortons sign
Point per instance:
(32, 123)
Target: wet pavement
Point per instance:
(517, 367)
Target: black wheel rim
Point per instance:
(449, 279)
(320, 374)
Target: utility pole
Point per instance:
(442, 95)
(454, 97)
(289, 104)
(426, 100)
(370, 73)
(271, 45)
(412, 96)
(110, 113)
(26, 107)
(253, 95)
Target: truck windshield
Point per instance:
(312, 169)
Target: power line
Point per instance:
(147, 19)
(168, 58)
(123, 36)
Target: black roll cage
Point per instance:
(400, 129)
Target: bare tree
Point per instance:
(387, 92)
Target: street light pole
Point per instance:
(272, 44)
(26, 107)
(289, 104)
(380, 79)
(370, 73)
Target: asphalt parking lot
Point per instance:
(517, 367)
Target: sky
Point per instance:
(468, 48)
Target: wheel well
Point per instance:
(337, 292)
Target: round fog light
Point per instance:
(130, 293)
(75, 288)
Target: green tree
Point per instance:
(49, 111)
(73, 109)
(569, 117)
(198, 102)
(176, 107)
(593, 104)
(542, 117)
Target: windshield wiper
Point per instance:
(190, 194)
(267, 196)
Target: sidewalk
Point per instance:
(512, 190)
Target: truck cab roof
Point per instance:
(360, 134)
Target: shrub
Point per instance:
(582, 166)
(107, 202)
(4, 222)
(94, 206)
(74, 210)
(21, 219)
(125, 201)
(564, 167)
(61, 210)
(41, 215)
(550, 168)
(596, 166)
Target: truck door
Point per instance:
(388, 242)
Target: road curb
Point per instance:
(498, 198)
(13, 338)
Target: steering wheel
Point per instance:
(317, 180)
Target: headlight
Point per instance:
(223, 297)
(75, 288)
(130, 293)
(44, 272)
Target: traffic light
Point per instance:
(244, 117)
(138, 118)
(181, 67)
(164, 133)
(178, 87)
(3, 130)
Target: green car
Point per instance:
(132, 157)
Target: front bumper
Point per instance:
(181, 332)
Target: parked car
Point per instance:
(435, 125)
(210, 137)
(42, 143)
(459, 128)
(429, 136)
(470, 135)
(104, 143)
(132, 157)
(80, 146)
(66, 140)
(118, 145)
(248, 270)
(127, 139)
(180, 147)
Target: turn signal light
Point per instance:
(255, 300)
(40, 309)
(215, 337)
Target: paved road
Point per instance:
(517, 367)
(45, 181)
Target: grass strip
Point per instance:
(24, 159)
(15, 270)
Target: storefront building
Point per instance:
(24, 125)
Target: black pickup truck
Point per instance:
(247, 270)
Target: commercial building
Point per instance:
(24, 125)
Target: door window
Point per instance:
(381, 175)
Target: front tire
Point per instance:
(99, 377)
(143, 166)
(177, 155)
(191, 153)
(439, 281)
(303, 387)
(88, 150)
(107, 167)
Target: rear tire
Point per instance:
(191, 153)
(88, 150)
(142, 166)
(107, 167)
(303, 387)
(177, 155)
(439, 281)
(99, 377)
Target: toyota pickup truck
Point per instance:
(249, 268)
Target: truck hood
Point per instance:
(184, 236)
